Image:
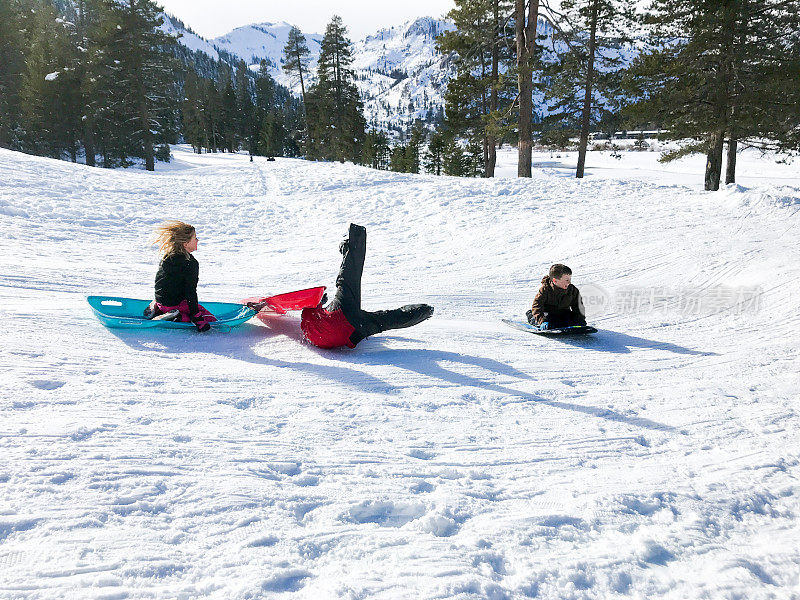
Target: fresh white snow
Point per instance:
(462, 459)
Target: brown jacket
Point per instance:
(550, 299)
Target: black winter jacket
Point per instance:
(176, 281)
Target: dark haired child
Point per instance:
(558, 303)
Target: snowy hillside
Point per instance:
(266, 41)
(460, 459)
(191, 40)
(400, 73)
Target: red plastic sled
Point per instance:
(281, 303)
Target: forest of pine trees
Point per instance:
(98, 80)
(705, 74)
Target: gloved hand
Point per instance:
(323, 301)
(200, 322)
(544, 326)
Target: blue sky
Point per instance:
(212, 18)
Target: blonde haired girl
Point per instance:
(178, 274)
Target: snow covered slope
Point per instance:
(400, 73)
(191, 40)
(457, 459)
(266, 41)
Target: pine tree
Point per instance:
(376, 151)
(106, 121)
(192, 113)
(49, 91)
(12, 67)
(229, 122)
(397, 160)
(245, 111)
(720, 70)
(434, 156)
(412, 156)
(296, 58)
(146, 76)
(334, 108)
(474, 97)
(584, 80)
(453, 160)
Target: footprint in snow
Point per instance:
(386, 514)
(47, 384)
(287, 581)
(421, 487)
(421, 454)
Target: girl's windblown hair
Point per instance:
(171, 236)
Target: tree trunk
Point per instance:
(714, 160)
(491, 141)
(587, 99)
(722, 103)
(305, 142)
(730, 171)
(88, 124)
(147, 139)
(88, 143)
(526, 39)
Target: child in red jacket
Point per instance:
(343, 322)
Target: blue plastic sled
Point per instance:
(568, 330)
(128, 313)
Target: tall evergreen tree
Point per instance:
(435, 154)
(718, 70)
(584, 80)
(295, 61)
(475, 97)
(412, 154)
(376, 151)
(397, 160)
(146, 76)
(296, 58)
(12, 66)
(49, 90)
(229, 122)
(192, 118)
(334, 108)
(245, 111)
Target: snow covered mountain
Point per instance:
(265, 41)
(401, 74)
(399, 71)
(188, 38)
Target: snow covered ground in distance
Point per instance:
(461, 458)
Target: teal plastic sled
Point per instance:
(128, 313)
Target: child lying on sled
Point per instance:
(558, 303)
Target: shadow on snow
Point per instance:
(240, 342)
